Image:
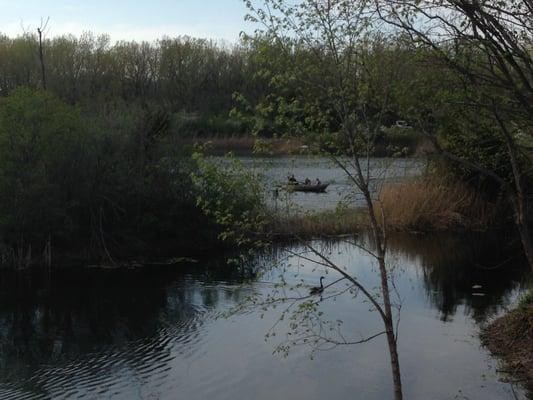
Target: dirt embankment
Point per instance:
(511, 339)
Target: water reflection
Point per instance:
(78, 328)
(155, 334)
(477, 270)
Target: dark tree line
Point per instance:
(183, 74)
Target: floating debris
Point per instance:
(477, 287)
(478, 294)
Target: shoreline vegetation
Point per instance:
(429, 203)
(510, 338)
(435, 202)
(98, 160)
(250, 145)
(425, 204)
(246, 145)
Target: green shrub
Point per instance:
(92, 184)
(232, 196)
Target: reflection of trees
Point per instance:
(126, 316)
(80, 325)
(452, 264)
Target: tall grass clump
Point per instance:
(435, 203)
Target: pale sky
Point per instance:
(128, 19)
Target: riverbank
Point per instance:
(423, 204)
(511, 339)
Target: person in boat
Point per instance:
(317, 182)
(292, 180)
(307, 181)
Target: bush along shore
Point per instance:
(100, 190)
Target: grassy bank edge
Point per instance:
(510, 338)
(317, 225)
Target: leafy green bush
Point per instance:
(232, 196)
(76, 182)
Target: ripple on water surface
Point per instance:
(157, 336)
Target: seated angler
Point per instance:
(292, 180)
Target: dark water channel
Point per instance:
(147, 334)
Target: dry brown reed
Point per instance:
(435, 203)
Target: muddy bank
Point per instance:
(511, 339)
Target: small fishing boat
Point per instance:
(300, 187)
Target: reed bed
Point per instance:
(429, 203)
(434, 203)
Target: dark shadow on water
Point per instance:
(477, 270)
(53, 321)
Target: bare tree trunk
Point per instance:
(525, 237)
(388, 320)
(519, 197)
(519, 201)
(521, 215)
(380, 238)
(389, 324)
(393, 352)
(41, 57)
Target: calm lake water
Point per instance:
(158, 334)
(276, 170)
